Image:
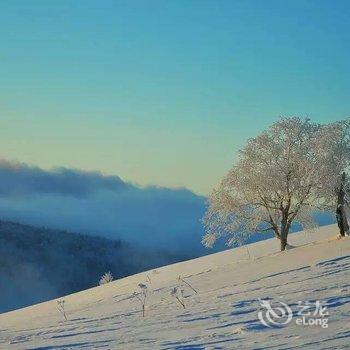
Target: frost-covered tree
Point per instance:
(62, 309)
(178, 296)
(106, 278)
(142, 296)
(333, 145)
(276, 182)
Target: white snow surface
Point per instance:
(223, 314)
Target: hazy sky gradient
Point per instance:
(164, 92)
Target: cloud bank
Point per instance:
(95, 204)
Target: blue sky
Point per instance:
(164, 92)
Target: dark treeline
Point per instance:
(38, 264)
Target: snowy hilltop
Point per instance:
(252, 297)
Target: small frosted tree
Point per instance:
(62, 309)
(277, 181)
(142, 297)
(106, 278)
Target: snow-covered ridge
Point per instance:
(220, 295)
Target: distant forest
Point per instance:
(38, 264)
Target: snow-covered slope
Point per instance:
(221, 310)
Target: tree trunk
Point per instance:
(284, 235)
(284, 230)
(340, 212)
(283, 243)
